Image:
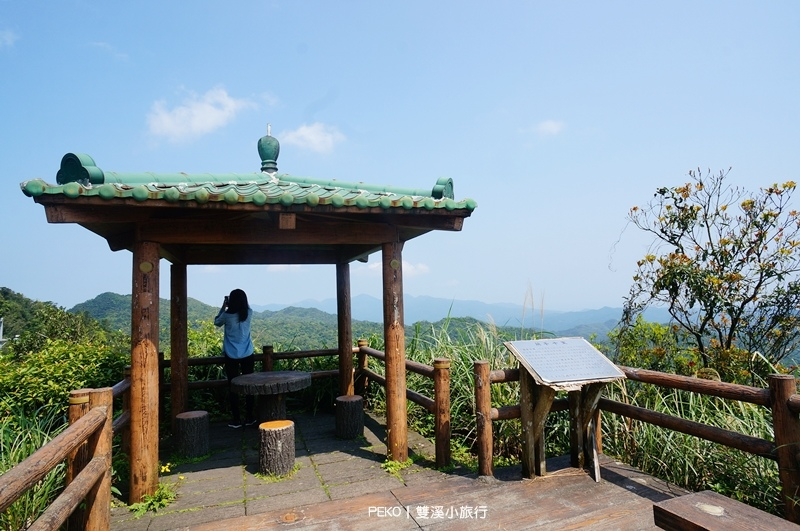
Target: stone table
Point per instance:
(269, 389)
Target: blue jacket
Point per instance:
(236, 342)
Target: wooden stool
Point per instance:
(192, 433)
(349, 416)
(276, 455)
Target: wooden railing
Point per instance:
(86, 445)
(439, 405)
(266, 358)
(781, 398)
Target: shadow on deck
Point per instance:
(341, 485)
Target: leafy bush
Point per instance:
(44, 378)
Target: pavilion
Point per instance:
(259, 218)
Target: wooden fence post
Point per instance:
(483, 417)
(269, 361)
(363, 363)
(787, 437)
(98, 501)
(441, 398)
(77, 459)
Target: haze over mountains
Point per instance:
(423, 308)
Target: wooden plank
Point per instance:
(710, 511)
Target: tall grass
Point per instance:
(21, 434)
(691, 462)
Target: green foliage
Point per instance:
(725, 263)
(58, 353)
(164, 495)
(21, 434)
(17, 311)
(652, 346)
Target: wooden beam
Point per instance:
(257, 232)
(345, 329)
(144, 371)
(394, 341)
(281, 255)
(179, 354)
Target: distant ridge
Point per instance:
(432, 309)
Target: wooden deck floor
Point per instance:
(565, 499)
(341, 485)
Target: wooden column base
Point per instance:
(276, 454)
(349, 416)
(192, 433)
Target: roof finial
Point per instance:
(268, 149)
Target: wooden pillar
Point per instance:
(787, 436)
(179, 343)
(394, 341)
(344, 317)
(144, 371)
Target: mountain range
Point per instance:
(115, 310)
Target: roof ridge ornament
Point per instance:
(268, 150)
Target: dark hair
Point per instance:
(237, 303)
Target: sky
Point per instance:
(555, 117)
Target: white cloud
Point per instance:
(316, 137)
(550, 127)
(7, 38)
(110, 50)
(196, 116)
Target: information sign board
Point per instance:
(564, 362)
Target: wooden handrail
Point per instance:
(746, 443)
(743, 393)
(23, 476)
(71, 497)
(86, 444)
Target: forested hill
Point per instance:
(289, 328)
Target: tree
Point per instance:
(724, 262)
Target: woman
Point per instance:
(237, 347)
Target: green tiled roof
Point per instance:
(80, 177)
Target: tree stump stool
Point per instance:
(276, 455)
(192, 433)
(349, 416)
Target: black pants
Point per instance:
(233, 368)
